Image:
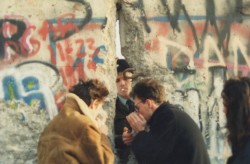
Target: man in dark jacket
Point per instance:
(164, 133)
(124, 106)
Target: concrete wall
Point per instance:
(191, 46)
(45, 47)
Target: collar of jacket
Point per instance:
(158, 110)
(79, 105)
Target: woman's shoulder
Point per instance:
(247, 147)
(243, 156)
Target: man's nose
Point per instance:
(122, 81)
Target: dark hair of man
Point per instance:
(149, 89)
(236, 98)
(90, 90)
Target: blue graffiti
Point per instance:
(96, 58)
(30, 84)
(10, 88)
(35, 97)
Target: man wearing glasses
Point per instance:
(164, 133)
(124, 106)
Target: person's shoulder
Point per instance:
(166, 111)
(244, 156)
(177, 107)
(172, 108)
(180, 114)
(247, 148)
(69, 118)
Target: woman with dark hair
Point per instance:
(76, 134)
(236, 101)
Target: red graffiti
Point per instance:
(60, 28)
(17, 41)
(80, 52)
(243, 31)
(9, 29)
(52, 55)
(91, 42)
(71, 56)
(162, 30)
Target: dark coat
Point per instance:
(120, 121)
(173, 138)
(241, 156)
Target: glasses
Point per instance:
(136, 106)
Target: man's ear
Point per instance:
(148, 101)
(93, 104)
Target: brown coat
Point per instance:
(73, 137)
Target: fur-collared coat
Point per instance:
(74, 137)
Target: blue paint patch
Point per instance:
(77, 20)
(196, 54)
(183, 17)
(33, 97)
(82, 51)
(77, 61)
(52, 45)
(96, 59)
(102, 47)
(10, 88)
(30, 84)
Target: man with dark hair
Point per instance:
(164, 133)
(76, 134)
(124, 106)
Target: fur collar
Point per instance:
(98, 116)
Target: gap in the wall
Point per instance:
(118, 42)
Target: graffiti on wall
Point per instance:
(16, 39)
(202, 50)
(40, 58)
(72, 55)
(29, 83)
(77, 54)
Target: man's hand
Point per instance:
(136, 121)
(127, 136)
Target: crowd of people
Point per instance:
(147, 127)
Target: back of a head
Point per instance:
(236, 96)
(149, 89)
(90, 90)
